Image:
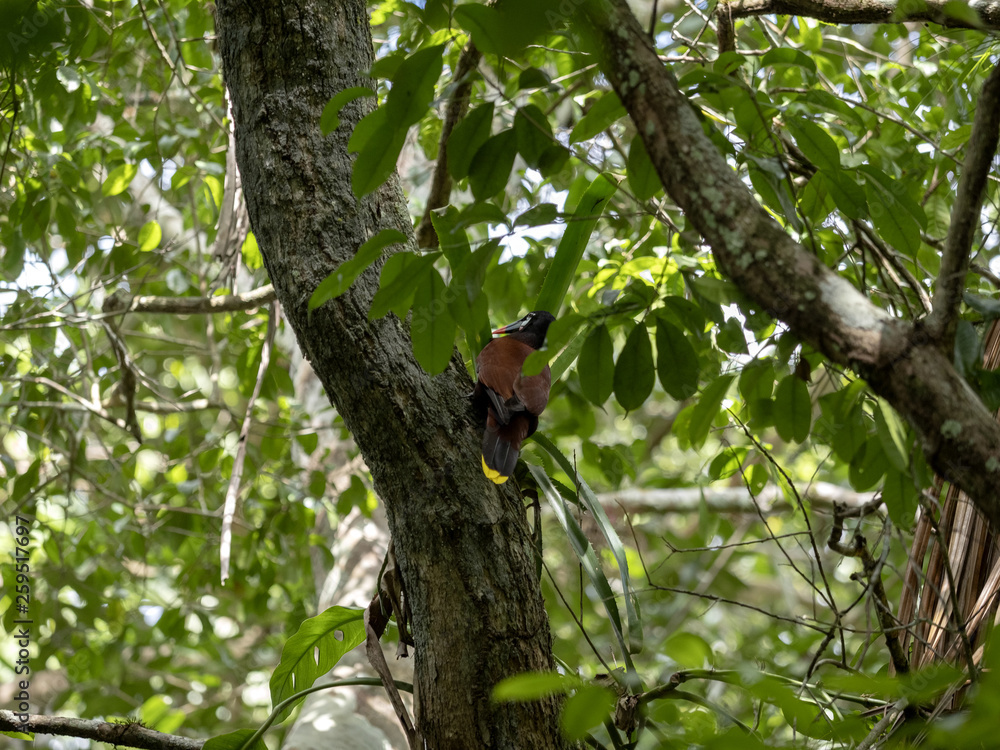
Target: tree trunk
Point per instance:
(462, 543)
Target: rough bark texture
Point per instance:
(901, 362)
(462, 543)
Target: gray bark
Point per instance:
(462, 543)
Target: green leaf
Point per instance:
(344, 275)
(553, 160)
(355, 496)
(962, 11)
(377, 159)
(867, 466)
(251, 252)
(432, 328)
(847, 195)
(596, 366)
(687, 313)
(676, 360)
(119, 179)
(688, 650)
(707, 408)
(591, 502)
(467, 138)
(531, 686)
(588, 707)
(485, 25)
(966, 348)
(901, 498)
(507, 28)
(386, 67)
(818, 147)
(585, 553)
(758, 478)
(730, 337)
(413, 87)
(543, 213)
(604, 111)
(532, 78)
(492, 164)
(987, 307)
(642, 177)
(437, 13)
(367, 127)
(398, 283)
(792, 409)
(314, 650)
(634, 372)
(150, 236)
(891, 432)
(330, 119)
(573, 243)
(788, 56)
(534, 134)
(895, 214)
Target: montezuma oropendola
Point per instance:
(512, 401)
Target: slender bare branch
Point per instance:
(458, 105)
(229, 508)
(870, 11)
(198, 305)
(771, 499)
(117, 735)
(965, 214)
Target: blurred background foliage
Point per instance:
(120, 432)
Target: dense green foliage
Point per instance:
(114, 169)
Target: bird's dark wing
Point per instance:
(499, 368)
(533, 391)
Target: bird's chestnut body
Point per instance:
(510, 400)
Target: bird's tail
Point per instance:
(501, 446)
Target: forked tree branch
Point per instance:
(965, 213)
(900, 362)
(870, 11)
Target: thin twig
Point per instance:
(458, 105)
(872, 570)
(965, 213)
(229, 508)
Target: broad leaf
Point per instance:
(340, 279)
(596, 366)
(634, 372)
(573, 243)
(330, 119)
(466, 139)
(492, 165)
(676, 360)
(316, 647)
(432, 328)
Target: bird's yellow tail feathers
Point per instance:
(492, 474)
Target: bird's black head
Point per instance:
(530, 329)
